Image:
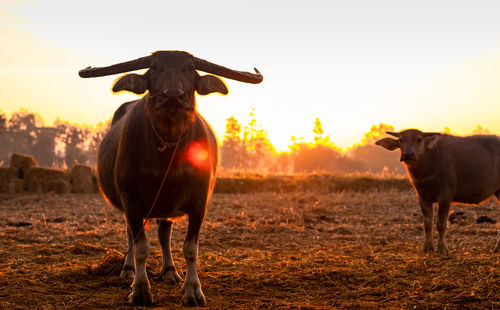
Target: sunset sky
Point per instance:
(353, 64)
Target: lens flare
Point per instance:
(197, 155)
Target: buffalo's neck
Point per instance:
(171, 129)
(424, 170)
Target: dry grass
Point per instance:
(297, 250)
(324, 183)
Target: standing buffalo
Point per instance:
(159, 159)
(446, 169)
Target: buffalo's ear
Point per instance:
(388, 143)
(135, 83)
(207, 84)
(432, 140)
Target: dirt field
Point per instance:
(299, 250)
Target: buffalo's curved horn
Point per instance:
(136, 64)
(395, 134)
(247, 77)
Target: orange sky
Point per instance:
(354, 64)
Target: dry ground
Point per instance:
(299, 250)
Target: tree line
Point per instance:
(248, 148)
(243, 147)
(61, 145)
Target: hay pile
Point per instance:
(23, 163)
(9, 180)
(24, 175)
(43, 180)
(81, 179)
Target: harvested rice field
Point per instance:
(259, 250)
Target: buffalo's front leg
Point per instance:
(193, 296)
(128, 270)
(444, 209)
(168, 269)
(427, 212)
(141, 295)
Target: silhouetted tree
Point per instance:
(44, 148)
(318, 131)
(376, 133)
(479, 130)
(22, 130)
(259, 149)
(248, 150)
(322, 155)
(73, 141)
(95, 141)
(233, 151)
(4, 139)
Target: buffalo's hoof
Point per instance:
(128, 274)
(193, 297)
(140, 296)
(170, 275)
(428, 249)
(442, 251)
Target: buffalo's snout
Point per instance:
(407, 156)
(174, 94)
(173, 98)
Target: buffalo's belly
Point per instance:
(475, 189)
(178, 196)
(169, 214)
(472, 197)
(105, 175)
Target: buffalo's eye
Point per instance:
(419, 139)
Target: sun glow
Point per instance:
(197, 155)
(342, 63)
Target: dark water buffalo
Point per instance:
(446, 169)
(148, 135)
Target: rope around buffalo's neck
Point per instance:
(164, 145)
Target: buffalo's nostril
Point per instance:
(173, 93)
(407, 156)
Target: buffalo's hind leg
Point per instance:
(193, 296)
(141, 294)
(128, 270)
(497, 247)
(168, 271)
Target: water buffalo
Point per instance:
(445, 169)
(149, 135)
